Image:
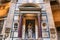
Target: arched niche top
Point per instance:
(29, 5)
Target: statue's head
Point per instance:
(29, 25)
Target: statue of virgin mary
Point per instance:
(29, 30)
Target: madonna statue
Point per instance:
(29, 30)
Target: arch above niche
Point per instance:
(29, 7)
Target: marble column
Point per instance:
(39, 27)
(20, 27)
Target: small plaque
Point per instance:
(45, 34)
(15, 17)
(43, 17)
(15, 34)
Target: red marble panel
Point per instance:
(20, 27)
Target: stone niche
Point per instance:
(52, 30)
(53, 33)
(7, 30)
